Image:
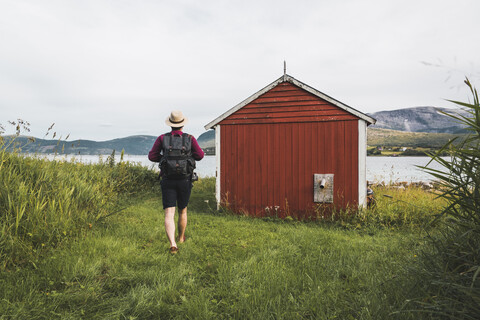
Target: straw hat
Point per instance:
(176, 119)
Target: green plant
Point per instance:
(451, 269)
(230, 267)
(44, 203)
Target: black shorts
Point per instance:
(175, 192)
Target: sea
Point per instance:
(379, 169)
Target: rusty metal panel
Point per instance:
(323, 188)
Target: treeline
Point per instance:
(404, 152)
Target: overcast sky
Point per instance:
(104, 69)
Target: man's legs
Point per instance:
(173, 191)
(170, 225)
(182, 224)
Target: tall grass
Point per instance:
(451, 270)
(43, 203)
(396, 207)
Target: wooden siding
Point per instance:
(272, 147)
(284, 102)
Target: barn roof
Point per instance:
(292, 80)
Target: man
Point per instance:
(176, 151)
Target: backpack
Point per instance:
(177, 161)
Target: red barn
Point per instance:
(290, 149)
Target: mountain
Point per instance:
(132, 145)
(419, 119)
(207, 139)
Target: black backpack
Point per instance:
(177, 161)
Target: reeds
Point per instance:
(43, 203)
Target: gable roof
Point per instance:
(292, 80)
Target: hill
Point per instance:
(207, 139)
(419, 119)
(132, 145)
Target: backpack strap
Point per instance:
(170, 145)
(184, 143)
(167, 142)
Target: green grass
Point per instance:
(397, 208)
(229, 267)
(117, 266)
(42, 202)
(67, 251)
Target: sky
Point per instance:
(105, 69)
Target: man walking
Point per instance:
(176, 152)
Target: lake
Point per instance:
(387, 169)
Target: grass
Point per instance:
(229, 267)
(397, 208)
(99, 265)
(42, 202)
(68, 251)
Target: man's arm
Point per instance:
(154, 155)
(197, 152)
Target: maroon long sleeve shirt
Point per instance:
(155, 154)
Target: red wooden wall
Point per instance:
(271, 148)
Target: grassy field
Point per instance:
(229, 267)
(78, 264)
(87, 242)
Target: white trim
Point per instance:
(362, 163)
(287, 78)
(337, 103)
(217, 165)
(254, 96)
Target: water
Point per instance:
(396, 169)
(388, 169)
(205, 168)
